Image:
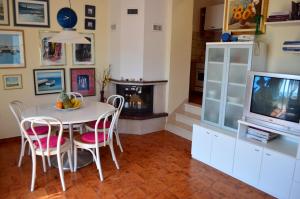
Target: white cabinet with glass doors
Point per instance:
(226, 68)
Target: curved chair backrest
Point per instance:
(34, 140)
(108, 117)
(117, 101)
(17, 108)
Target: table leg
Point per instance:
(84, 157)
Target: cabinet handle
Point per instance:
(268, 154)
(257, 150)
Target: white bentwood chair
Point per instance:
(50, 145)
(93, 140)
(118, 102)
(17, 107)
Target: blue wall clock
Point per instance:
(67, 18)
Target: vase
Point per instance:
(102, 96)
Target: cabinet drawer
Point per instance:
(297, 172)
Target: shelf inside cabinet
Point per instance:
(212, 99)
(235, 104)
(215, 62)
(214, 81)
(239, 64)
(237, 84)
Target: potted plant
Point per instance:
(104, 82)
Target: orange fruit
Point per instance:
(59, 105)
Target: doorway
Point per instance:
(199, 39)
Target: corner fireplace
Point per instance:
(138, 99)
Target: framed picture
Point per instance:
(83, 54)
(4, 12)
(12, 49)
(90, 11)
(242, 15)
(48, 81)
(83, 81)
(90, 24)
(52, 54)
(12, 82)
(33, 13)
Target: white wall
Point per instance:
(8, 125)
(155, 44)
(136, 50)
(277, 60)
(180, 52)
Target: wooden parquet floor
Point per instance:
(157, 165)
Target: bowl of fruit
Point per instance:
(67, 102)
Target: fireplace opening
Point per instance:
(138, 99)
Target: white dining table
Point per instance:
(89, 111)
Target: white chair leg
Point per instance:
(98, 162)
(49, 162)
(33, 172)
(75, 158)
(44, 164)
(21, 152)
(70, 160)
(61, 172)
(113, 155)
(118, 140)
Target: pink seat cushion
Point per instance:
(100, 125)
(89, 137)
(52, 142)
(40, 130)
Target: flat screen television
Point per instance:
(273, 100)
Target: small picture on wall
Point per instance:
(12, 82)
(83, 54)
(90, 24)
(11, 49)
(4, 12)
(52, 54)
(48, 81)
(90, 11)
(83, 81)
(31, 13)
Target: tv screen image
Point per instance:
(276, 97)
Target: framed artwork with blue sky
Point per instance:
(49, 81)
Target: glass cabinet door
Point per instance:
(214, 77)
(236, 87)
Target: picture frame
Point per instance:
(83, 54)
(90, 24)
(12, 49)
(49, 81)
(4, 13)
(83, 80)
(240, 16)
(90, 11)
(31, 13)
(11, 82)
(52, 54)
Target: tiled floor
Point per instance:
(157, 165)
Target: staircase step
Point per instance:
(193, 108)
(180, 129)
(187, 118)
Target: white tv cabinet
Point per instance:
(273, 167)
